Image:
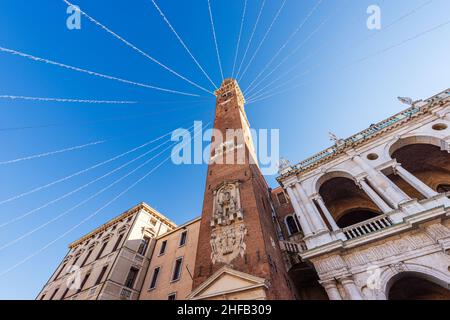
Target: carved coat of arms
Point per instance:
(229, 230)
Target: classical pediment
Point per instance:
(226, 283)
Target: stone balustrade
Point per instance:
(293, 247)
(367, 227)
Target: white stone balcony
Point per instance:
(380, 227)
(368, 226)
(293, 247)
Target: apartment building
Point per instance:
(111, 261)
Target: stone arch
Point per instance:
(342, 196)
(292, 224)
(391, 275)
(400, 142)
(328, 175)
(423, 157)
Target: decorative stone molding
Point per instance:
(227, 205)
(330, 264)
(123, 228)
(229, 231)
(387, 250)
(399, 267)
(227, 243)
(93, 244)
(107, 237)
(437, 232)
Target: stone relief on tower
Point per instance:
(229, 230)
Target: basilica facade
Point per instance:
(366, 219)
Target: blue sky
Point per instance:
(338, 95)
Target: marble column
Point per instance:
(299, 212)
(331, 289)
(314, 214)
(374, 196)
(383, 185)
(351, 289)
(303, 208)
(415, 182)
(327, 213)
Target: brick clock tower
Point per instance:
(238, 253)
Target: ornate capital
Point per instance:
(329, 284)
(291, 185)
(346, 279)
(316, 196)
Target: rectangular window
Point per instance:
(65, 294)
(177, 269)
(76, 260)
(99, 255)
(131, 278)
(119, 240)
(54, 293)
(183, 238)
(143, 246)
(87, 257)
(281, 198)
(163, 248)
(155, 277)
(60, 270)
(84, 282)
(100, 276)
(172, 296)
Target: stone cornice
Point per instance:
(126, 214)
(182, 227)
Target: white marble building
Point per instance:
(374, 208)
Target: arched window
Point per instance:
(292, 225)
(443, 188)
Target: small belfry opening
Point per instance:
(228, 89)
